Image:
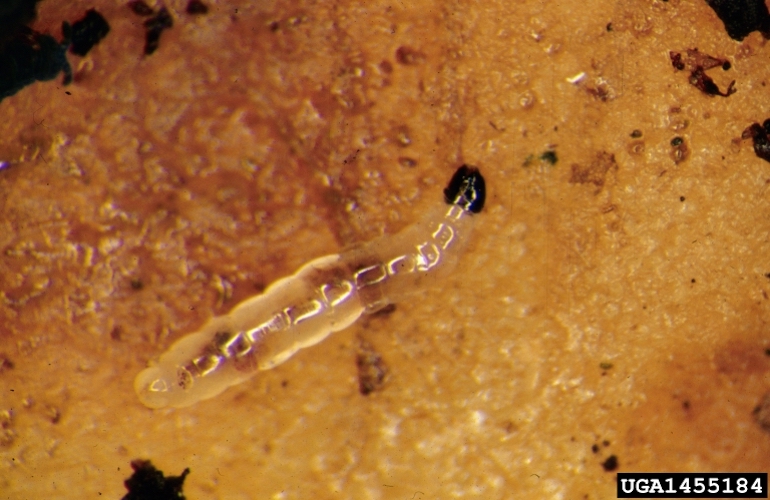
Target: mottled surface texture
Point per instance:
(613, 302)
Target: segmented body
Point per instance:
(325, 295)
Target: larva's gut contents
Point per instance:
(325, 295)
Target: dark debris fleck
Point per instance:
(88, 31)
(680, 151)
(549, 157)
(155, 27)
(704, 83)
(610, 464)
(372, 369)
(698, 62)
(148, 483)
(762, 412)
(760, 134)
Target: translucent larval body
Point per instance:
(325, 295)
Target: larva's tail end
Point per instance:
(467, 189)
(153, 388)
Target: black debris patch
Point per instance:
(495, 127)
(196, 8)
(676, 60)
(31, 56)
(742, 17)
(148, 483)
(596, 172)
(636, 133)
(87, 32)
(137, 284)
(372, 369)
(605, 367)
(704, 83)
(697, 63)
(140, 8)
(595, 448)
(549, 156)
(610, 464)
(679, 150)
(155, 26)
(760, 135)
(467, 189)
(767, 353)
(694, 58)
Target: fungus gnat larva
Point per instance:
(325, 295)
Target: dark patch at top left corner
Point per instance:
(14, 14)
(87, 32)
(154, 26)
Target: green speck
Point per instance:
(549, 156)
(605, 365)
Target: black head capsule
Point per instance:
(466, 189)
